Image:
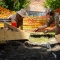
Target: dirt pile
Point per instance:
(5, 13)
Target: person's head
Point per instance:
(49, 12)
(21, 14)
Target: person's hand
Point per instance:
(46, 31)
(36, 29)
(40, 28)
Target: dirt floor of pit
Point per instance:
(27, 51)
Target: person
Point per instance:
(18, 18)
(53, 17)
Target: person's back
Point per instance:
(18, 18)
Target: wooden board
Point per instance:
(6, 25)
(12, 35)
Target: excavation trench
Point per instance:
(17, 50)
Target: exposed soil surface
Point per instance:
(16, 50)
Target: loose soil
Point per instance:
(17, 50)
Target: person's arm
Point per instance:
(51, 20)
(50, 30)
(56, 23)
(41, 27)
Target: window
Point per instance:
(35, 13)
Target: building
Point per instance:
(36, 7)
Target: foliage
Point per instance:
(2, 3)
(9, 3)
(15, 4)
(24, 3)
(53, 4)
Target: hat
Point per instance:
(22, 12)
(48, 10)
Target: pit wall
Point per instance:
(31, 23)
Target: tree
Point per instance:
(16, 4)
(2, 3)
(53, 4)
(9, 4)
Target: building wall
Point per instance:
(37, 5)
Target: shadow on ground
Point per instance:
(24, 51)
